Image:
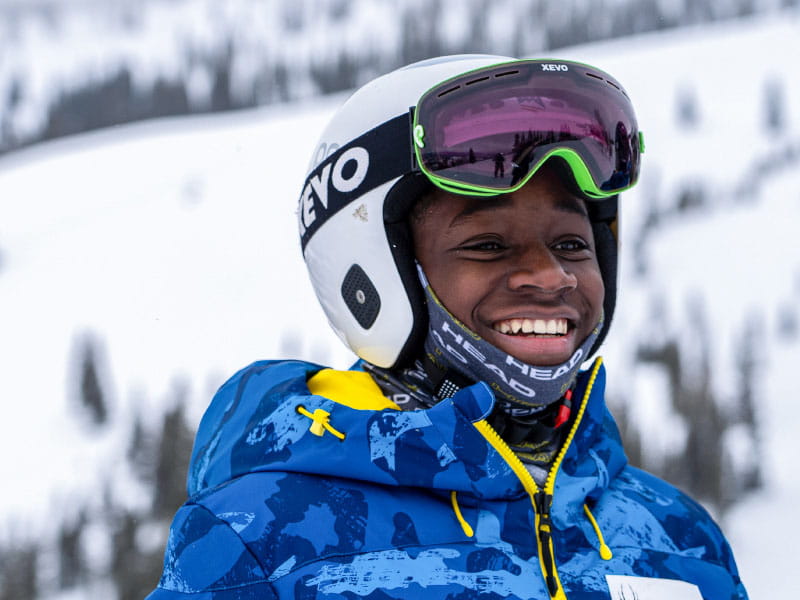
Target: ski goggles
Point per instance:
(488, 131)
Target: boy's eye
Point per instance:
(571, 245)
(484, 246)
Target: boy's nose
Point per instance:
(539, 269)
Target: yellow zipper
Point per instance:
(542, 499)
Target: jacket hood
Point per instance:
(266, 419)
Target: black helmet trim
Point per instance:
(399, 201)
(380, 155)
(606, 249)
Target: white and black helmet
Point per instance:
(352, 212)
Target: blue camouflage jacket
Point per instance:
(309, 483)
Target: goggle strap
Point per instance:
(603, 210)
(412, 153)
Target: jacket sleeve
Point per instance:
(205, 559)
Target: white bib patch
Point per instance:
(626, 587)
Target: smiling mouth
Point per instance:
(537, 327)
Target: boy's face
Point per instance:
(520, 270)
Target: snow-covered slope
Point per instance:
(175, 242)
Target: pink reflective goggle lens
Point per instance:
(488, 131)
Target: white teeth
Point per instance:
(535, 326)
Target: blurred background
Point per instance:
(151, 157)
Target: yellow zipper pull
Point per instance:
(542, 502)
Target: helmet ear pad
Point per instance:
(399, 203)
(606, 250)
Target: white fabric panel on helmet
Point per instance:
(391, 95)
(356, 235)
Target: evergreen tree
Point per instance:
(91, 393)
(745, 409)
(174, 452)
(686, 108)
(775, 106)
(692, 196)
(72, 568)
(19, 567)
(142, 452)
(705, 465)
(134, 570)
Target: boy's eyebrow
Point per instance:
(568, 204)
(572, 204)
(481, 205)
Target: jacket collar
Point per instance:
(263, 420)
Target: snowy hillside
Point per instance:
(174, 243)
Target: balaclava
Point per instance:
(521, 390)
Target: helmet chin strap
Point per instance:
(456, 357)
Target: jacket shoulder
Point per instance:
(233, 574)
(249, 396)
(678, 523)
(263, 375)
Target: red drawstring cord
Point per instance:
(564, 411)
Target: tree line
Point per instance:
(535, 27)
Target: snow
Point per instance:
(175, 242)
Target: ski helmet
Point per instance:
(352, 214)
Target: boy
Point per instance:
(466, 455)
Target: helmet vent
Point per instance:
(360, 296)
(608, 81)
(478, 80)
